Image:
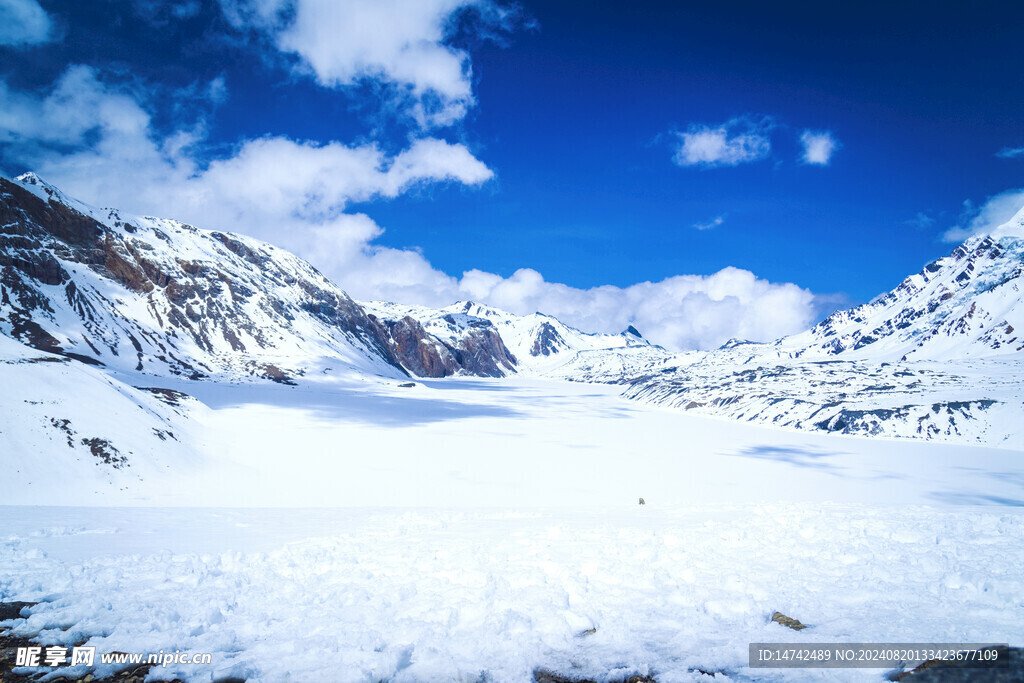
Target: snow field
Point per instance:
(489, 595)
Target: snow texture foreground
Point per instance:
(351, 595)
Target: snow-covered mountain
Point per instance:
(966, 305)
(162, 297)
(159, 296)
(941, 356)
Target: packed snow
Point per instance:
(429, 595)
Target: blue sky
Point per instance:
(560, 152)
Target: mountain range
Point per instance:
(97, 305)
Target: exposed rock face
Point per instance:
(476, 348)
(418, 351)
(547, 341)
(481, 349)
(487, 341)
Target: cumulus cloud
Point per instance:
(714, 223)
(263, 186)
(397, 42)
(818, 147)
(97, 143)
(988, 218)
(24, 22)
(737, 141)
(1010, 152)
(681, 312)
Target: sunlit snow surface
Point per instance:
(432, 595)
(476, 529)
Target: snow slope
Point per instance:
(966, 305)
(66, 426)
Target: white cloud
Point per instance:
(24, 22)
(97, 144)
(737, 141)
(818, 147)
(681, 312)
(714, 223)
(1010, 152)
(993, 214)
(267, 184)
(397, 42)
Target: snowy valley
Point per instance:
(461, 484)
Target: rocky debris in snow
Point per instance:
(106, 452)
(64, 425)
(788, 622)
(12, 610)
(168, 396)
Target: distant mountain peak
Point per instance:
(29, 178)
(32, 179)
(632, 331)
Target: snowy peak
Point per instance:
(34, 181)
(734, 342)
(632, 332)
